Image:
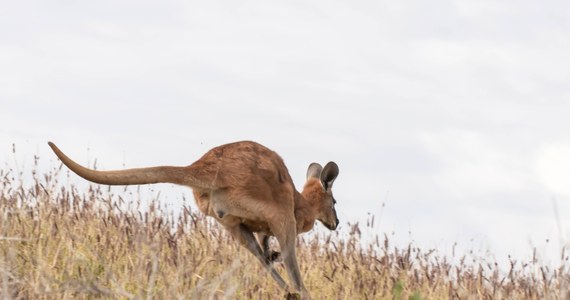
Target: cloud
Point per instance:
(473, 165)
(553, 167)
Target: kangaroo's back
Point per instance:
(241, 164)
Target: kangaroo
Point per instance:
(247, 188)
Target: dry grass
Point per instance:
(59, 242)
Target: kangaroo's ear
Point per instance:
(329, 174)
(314, 170)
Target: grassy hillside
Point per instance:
(59, 242)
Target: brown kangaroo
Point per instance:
(247, 188)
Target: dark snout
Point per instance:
(332, 226)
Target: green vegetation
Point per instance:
(59, 242)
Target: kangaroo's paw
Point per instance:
(274, 256)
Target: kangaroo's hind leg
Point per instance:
(246, 238)
(286, 233)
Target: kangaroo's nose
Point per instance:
(335, 225)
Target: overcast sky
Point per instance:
(454, 114)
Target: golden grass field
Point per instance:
(61, 242)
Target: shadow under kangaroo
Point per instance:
(247, 188)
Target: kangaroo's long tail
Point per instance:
(161, 174)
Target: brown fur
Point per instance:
(247, 188)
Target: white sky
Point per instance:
(452, 113)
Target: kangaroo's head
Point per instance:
(318, 190)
